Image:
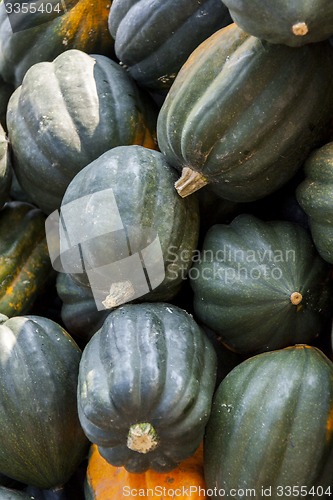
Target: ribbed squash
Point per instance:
(145, 387)
(154, 50)
(270, 430)
(106, 482)
(5, 168)
(152, 216)
(244, 114)
(41, 441)
(261, 285)
(315, 195)
(66, 114)
(291, 22)
(84, 26)
(78, 312)
(25, 265)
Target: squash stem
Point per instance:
(296, 298)
(300, 29)
(142, 438)
(189, 182)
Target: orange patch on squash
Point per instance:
(329, 424)
(108, 482)
(84, 20)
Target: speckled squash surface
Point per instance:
(243, 114)
(271, 427)
(145, 387)
(154, 50)
(66, 114)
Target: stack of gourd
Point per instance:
(216, 379)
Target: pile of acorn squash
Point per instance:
(207, 129)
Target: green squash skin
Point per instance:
(273, 20)
(148, 363)
(78, 312)
(41, 442)
(25, 265)
(154, 50)
(154, 204)
(84, 28)
(66, 114)
(5, 168)
(315, 195)
(271, 425)
(244, 282)
(244, 114)
(9, 494)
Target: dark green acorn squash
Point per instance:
(25, 265)
(290, 22)
(41, 441)
(154, 219)
(5, 168)
(244, 114)
(154, 39)
(66, 114)
(145, 387)
(84, 26)
(271, 428)
(315, 195)
(261, 285)
(78, 312)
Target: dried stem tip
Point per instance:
(300, 29)
(142, 438)
(189, 182)
(296, 298)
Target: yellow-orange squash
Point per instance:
(105, 482)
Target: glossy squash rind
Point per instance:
(148, 363)
(292, 23)
(271, 425)
(243, 114)
(245, 281)
(66, 114)
(104, 481)
(153, 210)
(83, 27)
(315, 195)
(154, 50)
(41, 443)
